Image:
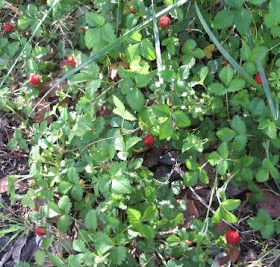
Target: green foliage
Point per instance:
(87, 161)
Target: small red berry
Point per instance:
(132, 11)
(71, 61)
(233, 237)
(8, 28)
(164, 22)
(258, 79)
(149, 140)
(40, 230)
(35, 79)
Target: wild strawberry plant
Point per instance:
(114, 87)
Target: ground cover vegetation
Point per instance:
(151, 130)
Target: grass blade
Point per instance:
(157, 44)
(111, 46)
(267, 91)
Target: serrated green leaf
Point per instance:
(224, 19)
(94, 19)
(63, 223)
(226, 134)
(181, 119)
(238, 125)
(231, 204)
(120, 185)
(77, 192)
(103, 243)
(147, 50)
(134, 216)
(135, 99)
(118, 255)
(262, 176)
(40, 257)
(65, 204)
(226, 75)
(242, 21)
(149, 214)
(166, 129)
(161, 110)
(91, 220)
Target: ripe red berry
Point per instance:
(8, 28)
(132, 11)
(164, 22)
(40, 230)
(149, 140)
(233, 237)
(71, 61)
(35, 79)
(258, 79)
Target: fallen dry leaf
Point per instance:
(233, 253)
(41, 111)
(271, 204)
(47, 85)
(4, 186)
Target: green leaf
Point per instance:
(226, 75)
(228, 216)
(132, 52)
(269, 127)
(40, 257)
(121, 185)
(223, 150)
(263, 223)
(108, 33)
(65, 204)
(72, 175)
(63, 223)
(238, 125)
(239, 142)
(224, 19)
(217, 89)
(91, 220)
(103, 243)
(235, 4)
(190, 178)
(256, 2)
(79, 246)
(147, 49)
(133, 216)
(135, 99)
(149, 214)
(161, 110)
(121, 111)
(118, 255)
(235, 85)
(166, 129)
(214, 158)
(262, 176)
(182, 120)
(94, 19)
(258, 53)
(231, 204)
(93, 38)
(132, 141)
(77, 192)
(226, 134)
(145, 230)
(242, 21)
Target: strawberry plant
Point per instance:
(147, 143)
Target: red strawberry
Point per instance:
(8, 28)
(258, 79)
(71, 61)
(132, 11)
(148, 140)
(164, 22)
(35, 79)
(40, 230)
(233, 237)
